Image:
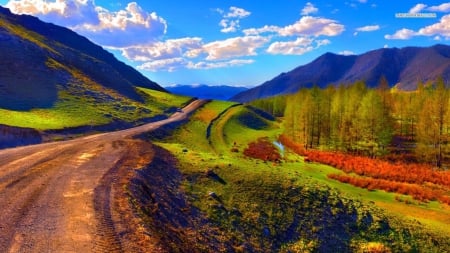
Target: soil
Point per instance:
(71, 197)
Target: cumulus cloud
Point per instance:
(402, 34)
(438, 29)
(68, 13)
(230, 21)
(298, 47)
(313, 26)
(306, 26)
(229, 26)
(368, 28)
(234, 47)
(417, 8)
(264, 29)
(188, 53)
(445, 7)
(166, 64)
(236, 12)
(309, 9)
(168, 49)
(131, 25)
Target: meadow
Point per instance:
(289, 204)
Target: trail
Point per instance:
(63, 197)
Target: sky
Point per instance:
(240, 43)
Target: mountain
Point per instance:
(40, 62)
(402, 67)
(221, 92)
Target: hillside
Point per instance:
(41, 60)
(203, 91)
(402, 67)
(224, 197)
(54, 82)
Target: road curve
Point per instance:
(59, 197)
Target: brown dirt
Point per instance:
(70, 196)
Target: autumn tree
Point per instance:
(431, 133)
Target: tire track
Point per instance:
(106, 238)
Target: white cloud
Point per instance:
(298, 47)
(386, 46)
(174, 64)
(129, 26)
(309, 9)
(438, 38)
(312, 26)
(441, 28)
(362, 1)
(438, 29)
(402, 34)
(68, 13)
(346, 52)
(417, 8)
(170, 65)
(306, 26)
(368, 28)
(220, 64)
(229, 25)
(264, 29)
(230, 21)
(236, 12)
(445, 7)
(234, 47)
(161, 50)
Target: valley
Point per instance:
(348, 153)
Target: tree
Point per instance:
(376, 131)
(431, 134)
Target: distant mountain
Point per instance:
(41, 61)
(402, 67)
(221, 92)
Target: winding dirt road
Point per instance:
(59, 197)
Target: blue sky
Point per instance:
(241, 43)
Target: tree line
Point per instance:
(368, 121)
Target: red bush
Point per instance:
(404, 178)
(264, 150)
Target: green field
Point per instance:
(100, 106)
(290, 205)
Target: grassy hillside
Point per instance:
(81, 105)
(53, 78)
(289, 206)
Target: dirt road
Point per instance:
(61, 196)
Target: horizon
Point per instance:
(241, 43)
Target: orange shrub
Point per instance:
(264, 150)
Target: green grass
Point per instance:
(86, 103)
(253, 195)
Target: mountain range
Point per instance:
(40, 61)
(203, 91)
(402, 67)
